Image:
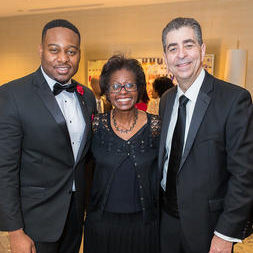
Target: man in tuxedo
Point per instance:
(205, 159)
(45, 121)
(103, 105)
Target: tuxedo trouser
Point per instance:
(71, 237)
(172, 239)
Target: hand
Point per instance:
(20, 242)
(219, 245)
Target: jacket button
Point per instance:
(138, 175)
(135, 164)
(142, 198)
(140, 186)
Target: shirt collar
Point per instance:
(193, 91)
(51, 82)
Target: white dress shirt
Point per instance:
(192, 94)
(71, 110)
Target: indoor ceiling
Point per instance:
(26, 7)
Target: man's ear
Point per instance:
(40, 49)
(165, 60)
(203, 51)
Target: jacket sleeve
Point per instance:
(90, 99)
(234, 221)
(11, 135)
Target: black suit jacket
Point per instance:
(37, 166)
(215, 179)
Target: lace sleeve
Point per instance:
(100, 119)
(95, 123)
(155, 125)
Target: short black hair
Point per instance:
(118, 62)
(60, 23)
(161, 84)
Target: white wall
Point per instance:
(135, 31)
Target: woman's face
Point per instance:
(123, 100)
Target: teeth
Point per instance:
(123, 99)
(183, 64)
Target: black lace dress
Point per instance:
(122, 216)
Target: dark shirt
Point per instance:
(110, 153)
(124, 196)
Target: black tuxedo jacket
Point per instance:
(215, 179)
(37, 166)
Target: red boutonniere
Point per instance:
(80, 89)
(92, 117)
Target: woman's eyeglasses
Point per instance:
(117, 87)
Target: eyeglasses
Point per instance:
(117, 87)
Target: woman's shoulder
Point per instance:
(100, 119)
(155, 124)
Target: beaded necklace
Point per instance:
(122, 130)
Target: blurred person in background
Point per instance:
(160, 85)
(102, 104)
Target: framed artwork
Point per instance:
(208, 63)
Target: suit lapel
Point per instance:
(200, 109)
(44, 92)
(165, 124)
(84, 109)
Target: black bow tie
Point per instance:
(58, 88)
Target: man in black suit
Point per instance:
(205, 159)
(103, 105)
(45, 120)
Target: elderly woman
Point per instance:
(122, 215)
